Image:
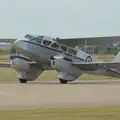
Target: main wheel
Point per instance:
(62, 81)
(22, 80)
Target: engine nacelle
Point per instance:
(65, 69)
(25, 70)
(30, 75)
(66, 76)
(60, 64)
(19, 64)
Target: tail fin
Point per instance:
(117, 57)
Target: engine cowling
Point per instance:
(31, 74)
(19, 64)
(59, 63)
(25, 70)
(64, 68)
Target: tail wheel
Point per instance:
(62, 81)
(22, 80)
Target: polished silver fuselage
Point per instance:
(42, 54)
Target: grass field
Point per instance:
(4, 55)
(4, 58)
(99, 113)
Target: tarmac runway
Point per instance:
(46, 94)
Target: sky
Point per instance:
(59, 18)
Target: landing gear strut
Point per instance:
(22, 80)
(62, 81)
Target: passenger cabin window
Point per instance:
(46, 42)
(64, 48)
(55, 45)
(72, 51)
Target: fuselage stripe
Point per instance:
(20, 57)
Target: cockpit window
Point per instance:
(46, 42)
(39, 39)
(64, 48)
(33, 39)
(72, 51)
(28, 36)
(55, 45)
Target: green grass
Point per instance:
(98, 113)
(4, 60)
(4, 56)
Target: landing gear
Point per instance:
(62, 81)
(22, 80)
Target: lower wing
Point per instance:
(96, 65)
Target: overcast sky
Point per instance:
(62, 18)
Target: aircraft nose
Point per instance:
(16, 43)
(20, 45)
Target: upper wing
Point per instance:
(96, 65)
(90, 40)
(7, 40)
